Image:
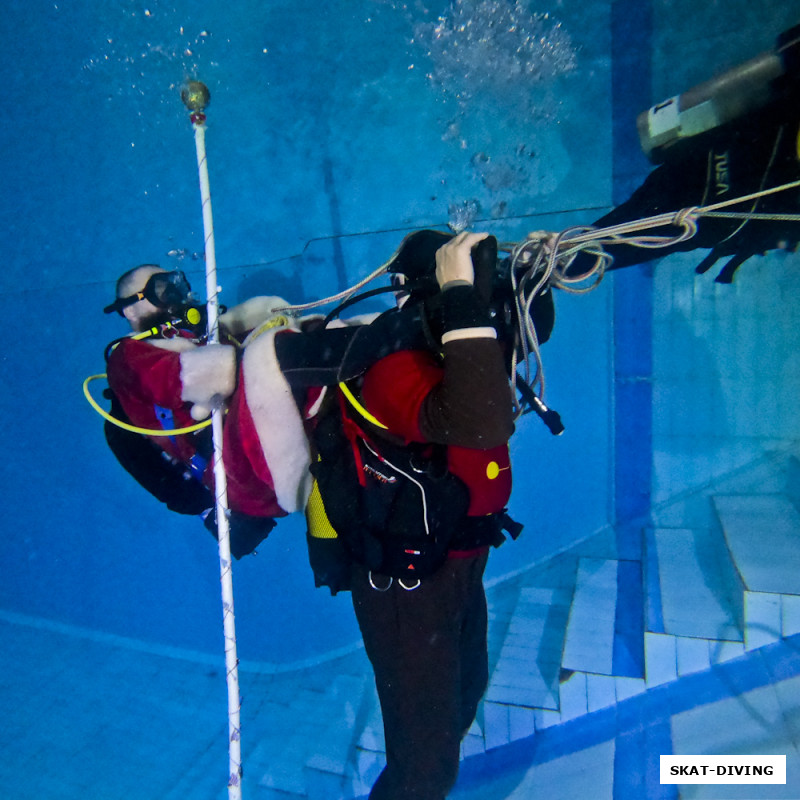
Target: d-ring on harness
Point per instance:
(391, 581)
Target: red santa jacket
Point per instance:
(263, 425)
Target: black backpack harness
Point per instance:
(395, 508)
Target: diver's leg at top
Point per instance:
(326, 356)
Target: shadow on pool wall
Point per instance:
(317, 133)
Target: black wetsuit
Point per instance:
(734, 160)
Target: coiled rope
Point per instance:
(542, 261)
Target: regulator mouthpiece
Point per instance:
(195, 95)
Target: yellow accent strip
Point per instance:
(154, 331)
(319, 526)
(142, 335)
(358, 407)
(125, 426)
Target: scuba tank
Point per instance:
(741, 90)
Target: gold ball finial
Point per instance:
(195, 95)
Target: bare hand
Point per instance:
(454, 259)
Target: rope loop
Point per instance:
(687, 217)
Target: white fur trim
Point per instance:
(178, 344)
(208, 374)
(249, 315)
(361, 319)
(278, 422)
(314, 408)
(199, 412)
(469, 333)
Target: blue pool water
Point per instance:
(333, 130)
(327, 141)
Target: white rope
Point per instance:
(755, 196)
(595, 238)
(592, 240)
(220, 482)
(753, 215)
(543, 259)
(347, 293)
(344, 295)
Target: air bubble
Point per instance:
(494, 46)
(462, 215)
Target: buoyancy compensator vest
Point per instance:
(395, 508)
(177, 480)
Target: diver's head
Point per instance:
(148, 295)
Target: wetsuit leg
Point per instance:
(428, 651)
(326, 356)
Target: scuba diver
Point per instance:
(162, 378)
(392, 433)
(398, 452)
(736, 135)
(411, 481)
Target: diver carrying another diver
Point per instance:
(391, 433)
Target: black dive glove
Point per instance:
(756, 238)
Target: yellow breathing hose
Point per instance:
(275, 322)
(358, 407)
(133, 428)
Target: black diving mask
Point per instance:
(166, 290)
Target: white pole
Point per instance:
(196, 96)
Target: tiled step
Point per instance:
(770, 617)
(763, 536)
(582, 693)
(697, 588)
(370, 752)
(307, 750)
(527, 672)
(671, 657)
(605, 633)
(328, 771)
(763, 613)
(561, 654)
(589, 645)
(474, 743)
(280, 755)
